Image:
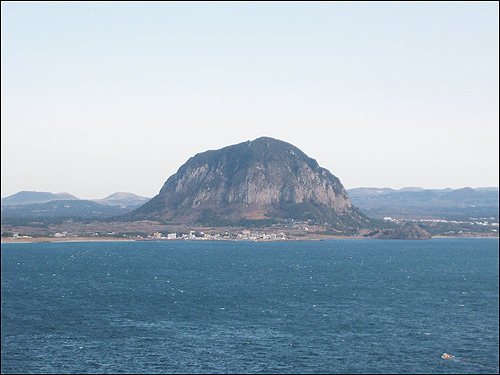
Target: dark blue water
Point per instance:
(343, 306)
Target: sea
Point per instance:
(282, 307)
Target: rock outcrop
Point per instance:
(407, 232)
(261, 180)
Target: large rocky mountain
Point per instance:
(257, 181)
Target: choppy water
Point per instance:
(340, 306)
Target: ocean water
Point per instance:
(337, 306)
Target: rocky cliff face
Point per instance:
(255, 180)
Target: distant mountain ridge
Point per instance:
(420, 203)
(45, 205)
(383, 190)
(31, 197)
(405, 203)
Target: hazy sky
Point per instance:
(106, 97)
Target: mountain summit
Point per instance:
(264, 179)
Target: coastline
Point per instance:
(117, 239)
(104, 239)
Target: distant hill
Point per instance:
(123, 199)
(28, 197)
(465, 194)
(259, 181)
(420, 203)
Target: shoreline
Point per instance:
(103, 239)
(62, 239)
(117, 239)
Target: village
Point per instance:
(244, 235)
(290, 230)
(152, 231)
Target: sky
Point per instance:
(105, 97)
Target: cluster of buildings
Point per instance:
(16, 235)
(475, 222)
(192, 235)
(245, 235)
